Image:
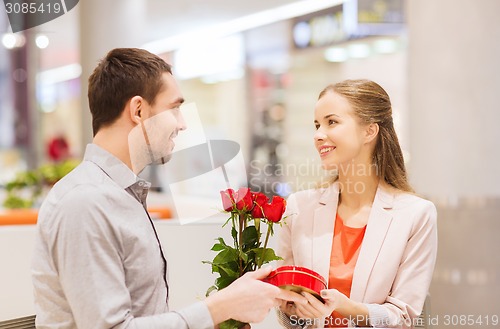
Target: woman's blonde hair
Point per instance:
(372, 104)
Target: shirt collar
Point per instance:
(114, 168)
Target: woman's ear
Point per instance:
(371, 132)
(135, 106)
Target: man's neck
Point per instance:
(115, 141)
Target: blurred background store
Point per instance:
(254, 70)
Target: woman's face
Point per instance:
(339, 138)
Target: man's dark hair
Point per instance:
(121, 75)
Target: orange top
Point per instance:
(345, 250)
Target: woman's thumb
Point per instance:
(327, 293)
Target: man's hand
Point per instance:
(249, 299)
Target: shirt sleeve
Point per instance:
(286, 322)
(87, 255)
(196, 316)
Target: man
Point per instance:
(98, 262)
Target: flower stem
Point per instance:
(240, 241)
(235, 238)
(261, 259)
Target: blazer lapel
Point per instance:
(323, 227)
(378, 225)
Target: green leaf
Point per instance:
(250, 238)
(234, 234)
(221, 241)
(215, 269)
(266, 256)
(226, 256)
(250, 233)
(227, 270)
(224, 281)
(15, 202)
(271, 228)
(243, 256)
(218, 247)
(231, 324)
(227, 221)
(257, 224)
(250, 266)
(209, 290)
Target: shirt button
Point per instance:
(141, 183)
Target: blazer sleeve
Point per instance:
(285, 252)
(409, 290)
(285, 231)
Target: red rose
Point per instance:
(227, 197)
(274, 211)
(240, 200)
(259, 200)
(243, 198)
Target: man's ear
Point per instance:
(371, 132)
(135, 106)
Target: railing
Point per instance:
(27, 322)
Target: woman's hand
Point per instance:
(315, 309)
(249, 299)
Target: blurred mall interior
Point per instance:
(254, 70)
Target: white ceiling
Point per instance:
(164, 18)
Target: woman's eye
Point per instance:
(331, 122)
(316, 126)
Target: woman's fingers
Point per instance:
(329, 293)
(305, 312)
(313, 309)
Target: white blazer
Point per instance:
(397, 256)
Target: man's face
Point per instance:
(152, 141)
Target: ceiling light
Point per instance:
(219, 56)
(248, 22)
(60, 74)
(385, 46)
(359, 50)
(42, 41)
(302, 34)
(11, 40)
(336, 54)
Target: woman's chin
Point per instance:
(329, 165)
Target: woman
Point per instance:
(366, 232)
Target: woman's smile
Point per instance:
(325, 150)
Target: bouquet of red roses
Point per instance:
(249, 211)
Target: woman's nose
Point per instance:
(319, 135)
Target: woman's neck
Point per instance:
(356, 190)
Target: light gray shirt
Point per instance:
(97, 262)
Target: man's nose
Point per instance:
(181, 123)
